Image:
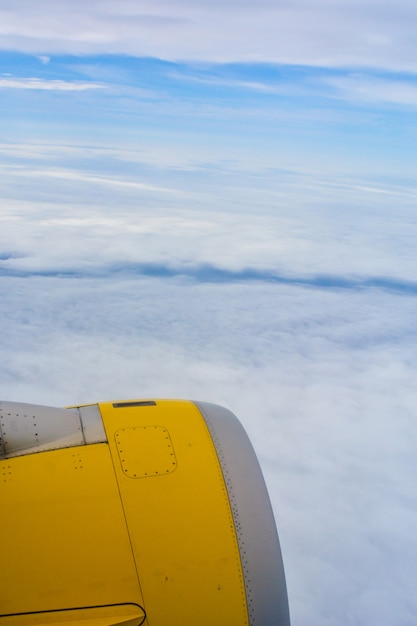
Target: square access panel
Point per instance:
(145, 451)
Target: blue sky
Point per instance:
(346, 117)
(218, 201)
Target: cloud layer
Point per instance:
(348, 33)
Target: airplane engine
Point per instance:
(125, 513)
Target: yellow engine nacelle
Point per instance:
(147, 512)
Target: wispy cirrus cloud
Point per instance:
(110, 181)
(325, 84)
(233, 83)
(376, 89)
(39, 84)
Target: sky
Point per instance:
(217, 201)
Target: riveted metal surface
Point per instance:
(145, 451)
(28, 428)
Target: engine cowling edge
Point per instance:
(260, 551)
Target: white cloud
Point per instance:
(371, 33)
(77, 176)
(113, 212)
(257, 86)
(358, 87)
(46, 85)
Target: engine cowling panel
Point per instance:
(155, 504)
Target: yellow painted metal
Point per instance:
(64, 537)
(180, 522)
(145, 451)
(141, 521)
(120, 615)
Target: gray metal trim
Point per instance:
(2, 448)
(28, 428)
(92, 424)
(257, 537)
